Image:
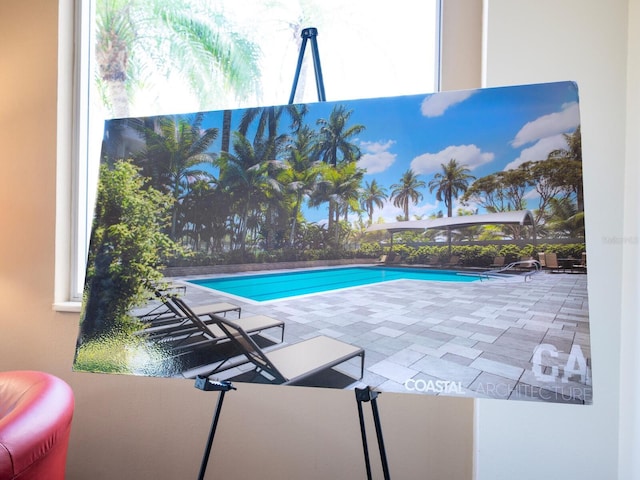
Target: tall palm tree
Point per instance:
(373, 195)
(340, 187)
(565, 220)
(268, 119)
(407, 192)
(572, 176)
(453, 179)
(348, 189)
(335, 137)
(138, 39)
(249, 175)
(301, 172)
(175, 146)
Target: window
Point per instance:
(367, 48)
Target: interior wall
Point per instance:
(584, 41)
(461, 49)
(133, 427)
(630, 353)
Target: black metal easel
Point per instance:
(203, 383)
(309, 34)
(368, 395)
(362, 394)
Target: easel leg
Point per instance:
(367, 395)
(203, 383)
(212, 432)
(365, 447)
(309, 34)
(383, 452)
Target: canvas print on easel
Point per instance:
(429, 244)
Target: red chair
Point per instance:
(35, 421)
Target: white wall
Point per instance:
(630, 351)
(585, 41)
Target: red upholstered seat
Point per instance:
(35, 421)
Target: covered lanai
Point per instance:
(517, 217)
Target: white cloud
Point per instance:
(377, 157)
(538, 151)
(549, 125)
(390, 212)
(469, 155)
(435, 105)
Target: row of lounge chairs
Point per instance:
(546, 260)
(551, 262)
(207, 325)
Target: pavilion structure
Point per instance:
(516, 217)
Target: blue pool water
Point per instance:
(272, 286)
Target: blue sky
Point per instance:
(487, 130)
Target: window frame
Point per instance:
(453, 43)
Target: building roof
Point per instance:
(520, 217)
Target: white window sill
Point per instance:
(70, 307)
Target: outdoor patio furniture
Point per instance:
(542, 259)
(454, 260)
(192, 331)
(382, 259)
(527, 262)
(295, 362)
(582, 266)
(497, 262)
(551, 262)
(166, 313)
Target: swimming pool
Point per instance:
(273, 286)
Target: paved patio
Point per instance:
(510, 339)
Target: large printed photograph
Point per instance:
(428, 244)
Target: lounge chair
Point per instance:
(454, 261)
(382, 259)
(291, 363)
(166, 312)
(582, 266)
(542, 259)
(551, 262)
(497, 262)
(193, 331)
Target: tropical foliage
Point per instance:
(139, 42)
(249, 203)
(127, 247)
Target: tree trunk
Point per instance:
(226, 131)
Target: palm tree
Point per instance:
(249, 176)
(565, 220)
(335, 137)
(572, 154)
(348, 189)
(453, 180)
(174, 146)
(340, 187)
(301, 172)
(150, 37)
(373, 195)
(407, 191)
(268, 119)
